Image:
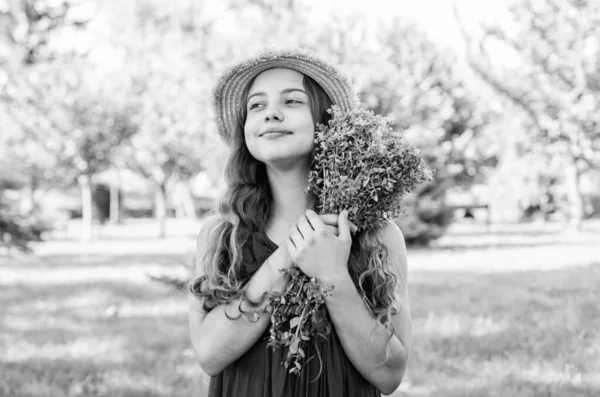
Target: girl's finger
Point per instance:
(295, 235)
(332, 220)
(291, 247)
(304, 227)
(315, 220)
(332, 229)
(353, 227)
(329, 219)
(344, 225)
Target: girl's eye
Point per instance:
(254, 106)
(292, 101)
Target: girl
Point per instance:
(267, 109)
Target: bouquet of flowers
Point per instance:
(360, 165)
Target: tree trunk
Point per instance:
(160, 209)
(575, 212)
(187, 201)
(29, 205)
(114, 199)
(85, 184)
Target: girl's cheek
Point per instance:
(252, 119)
(249, 127)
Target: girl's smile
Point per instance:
(274, 132)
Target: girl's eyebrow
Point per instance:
(285, 91)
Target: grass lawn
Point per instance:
(494, 315)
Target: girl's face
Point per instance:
(279, 127)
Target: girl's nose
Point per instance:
(273, 113)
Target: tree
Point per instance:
(90, 125)
(421, 88)
(400, 73)
(17, 229)
(31, 30)
(556, 82)
(32, 27)
(173, 142)
(26, 142)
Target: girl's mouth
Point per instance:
(275, 133)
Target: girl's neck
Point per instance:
(289, 198)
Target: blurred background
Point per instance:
(109, 160)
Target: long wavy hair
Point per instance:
(247, 207)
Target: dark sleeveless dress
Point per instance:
(260, 373)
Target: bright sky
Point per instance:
(436, 16)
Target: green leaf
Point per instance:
(294, 344)
(294, 322)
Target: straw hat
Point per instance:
(227, 95)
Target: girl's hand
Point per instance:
(316, 250)
(331, 222)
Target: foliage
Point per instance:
(427, 220)
(428, 97)
(16, 229)
(19, 224)
(158, 61)
(163, 61)
(34, 33)
(364, 167)
(299, 315)
(35, 27)
(79, 125)
(554, 81)
(91, 126)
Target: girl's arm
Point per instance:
(319, 253)
(363, 338)
(217, 340)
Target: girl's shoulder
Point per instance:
(391, 233)
(391, 236)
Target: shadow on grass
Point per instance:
(134, 356)
(144, 314)
(78, 260)
(515, 385)
(85, 378)
(476, 327)
(475, 246)
(475, 334)
(517, 231)
(52, 297)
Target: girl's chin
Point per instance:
(286, 158)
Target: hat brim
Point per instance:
(228, 93)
